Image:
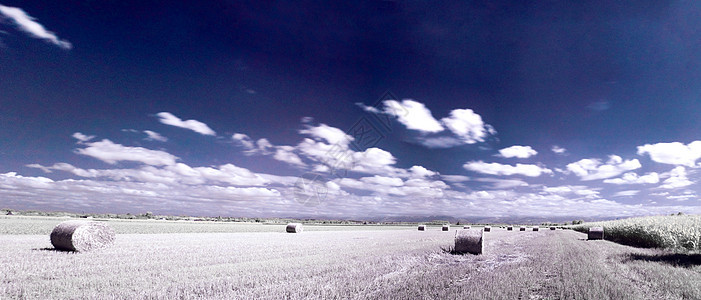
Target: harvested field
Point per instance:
(375, 264)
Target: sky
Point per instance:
(351, 109)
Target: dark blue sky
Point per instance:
(615, 86)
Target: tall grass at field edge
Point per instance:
(681, 233)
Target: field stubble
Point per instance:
(404, 264)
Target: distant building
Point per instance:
(9, 213)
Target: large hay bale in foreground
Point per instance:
(446, 227)
(422, 227)
(596, 233)
(469, 241)
(536, 228)
(487, 228)
(82, 236)
(522, 228)
(294, 228)
(466, 227)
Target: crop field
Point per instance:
(670, 232)
(363, 263)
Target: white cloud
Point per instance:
(677, 179)
(332, 135)
(111, 153)
(499, 184)
(155, 136)
(465, 125)
(517, 151)
(194, 125)
(82, 138)
(455, 178)
(286, 154)
(633, 178)
(592, 169)
(27, 24)
(383, 180)
(558, 150)
(420, 172)
(579, 190)
(244, 140)
(440, 142)
(673, 153)
(414, 115)
(501, 169)
(170, 174)
(626, 193)
(468, 125)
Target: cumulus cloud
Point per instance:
(673, 153)
(677, 179)
(420, 172)
(194, 125)
(468, 125)
(592, 169)
(155, 136)
(517, 151)
(464, 125)
(112, 153)
(261, 146)
(28, 24)
(633, 178)
(579, 190)
(82, 138)
(502, 169)
(383, 180)
(331, 135)
(170, 174)
(286, 154)
(558, 150)
(414, 115)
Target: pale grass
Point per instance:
(341, 265)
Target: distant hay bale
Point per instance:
(596, 233)
(466, 227)
(469, 241)
(536, 228)
(294, 228)
(552, 228)
(487, 228)
(510, 228)
(422, 227)
(522, 228)
(82, 236)
(446, 227)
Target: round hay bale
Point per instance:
(422, 227)
(552, 228)
(469, 241)
(446, 227)
(510, 228)
(536, 228)
(487, 228)
(82, 236)
(466, 227)
(596, 233)
(522, 228)
(294, 228)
